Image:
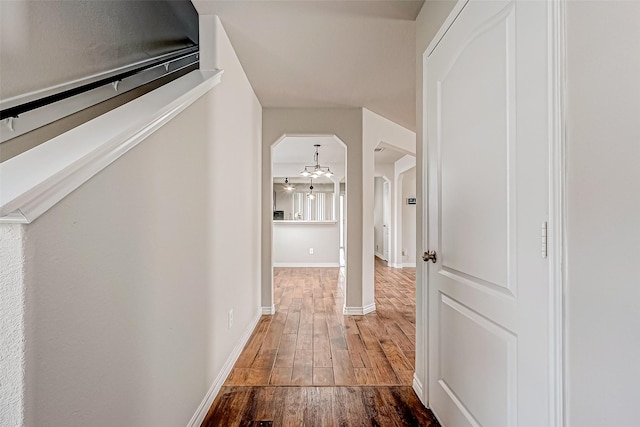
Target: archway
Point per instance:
(308, 224)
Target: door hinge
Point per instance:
(544, 240)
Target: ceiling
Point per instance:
(300, 150)
(332, 53)
(389, 154)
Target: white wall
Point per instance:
(378, 216)
(376, 129)
(346, 124)
(401, 166)
(72, 40)
(117, 317)
(408, 219)
(291, 243)
(603, 223)
(235, 129)
(12, 296)
(361, 130)
(129, 279)
(394, 173)
(48, 43)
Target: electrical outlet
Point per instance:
(310, 251)
(230, 318)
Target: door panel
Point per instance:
(487, 284)
(475, 174)
(464, 332)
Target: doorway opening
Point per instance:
(382, 218)
(309, 209)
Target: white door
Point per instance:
(487, 148)
(386, 216)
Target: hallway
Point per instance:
(309, 364)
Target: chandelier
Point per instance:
(315, 171)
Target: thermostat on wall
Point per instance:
(411, 201)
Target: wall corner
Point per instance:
(208, 41)
(12, 330)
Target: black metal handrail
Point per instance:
(15, 111)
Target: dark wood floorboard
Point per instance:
(318, 407)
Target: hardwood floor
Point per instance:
(309, 343)
(318, 406)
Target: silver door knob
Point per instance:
(431, 255)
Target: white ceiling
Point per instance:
(389, 154)
(300, 150)
(331, 53)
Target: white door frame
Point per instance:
(386, 215)
(557, 215)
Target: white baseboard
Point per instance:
(369, 308)
(206, 403)
(409, 264)
(395, 265)
(269, 310)
(379, 255)
(306, 264)
(417, 387)
(359, 311)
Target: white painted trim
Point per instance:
(444, 28)
(359, 311)
(306, 264)
(419, 389)
(206, 403)
(369, 308)
(37, 179)
(267, 311)
(13, 218)
(422, 273)
(557, 210)
(379, 255)
(409, 265)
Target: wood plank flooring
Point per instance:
(318, 406)
(310, 342)
(308, 364)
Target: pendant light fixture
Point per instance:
(315, 171)
(310, 194)
(288, 186)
